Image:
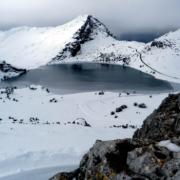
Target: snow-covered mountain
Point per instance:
(87, 39)
(163, 55)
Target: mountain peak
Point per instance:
(91, 29)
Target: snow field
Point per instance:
(30, 145)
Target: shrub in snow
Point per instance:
(135, 104)
(126, 126)
(142, 105)
(118, 109)
(9, 90)
(101, 93)
(33, 119)
(53, 100)
(47, 90)
(32, 87)
(112, 113)
(123, 107)
(81, 121)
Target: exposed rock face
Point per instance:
(161, 44)
(130, 159)
(86, 33)
(107, 160)
(163, 123)
(139, 158)
(8, 70)
(154, 162)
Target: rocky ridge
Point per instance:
(87, 32)
(139, 158)
(8, 71)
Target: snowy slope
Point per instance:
(87, 39)
(31, 144)
(29, 48)
(84, 39)
(163, 55)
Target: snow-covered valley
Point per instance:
(37, 127)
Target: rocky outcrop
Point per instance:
(86, 33)
(107, 160)
(161, 44)
(8, 71)
(163, 123)
(139, 158)
(130, 159)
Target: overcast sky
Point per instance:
(124, 18)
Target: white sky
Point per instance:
(120, 16)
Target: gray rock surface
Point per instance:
(163, 123)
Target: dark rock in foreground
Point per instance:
(139, 158)
(130, 159)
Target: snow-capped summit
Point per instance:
(92, 29)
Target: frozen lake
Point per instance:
(84, 77)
